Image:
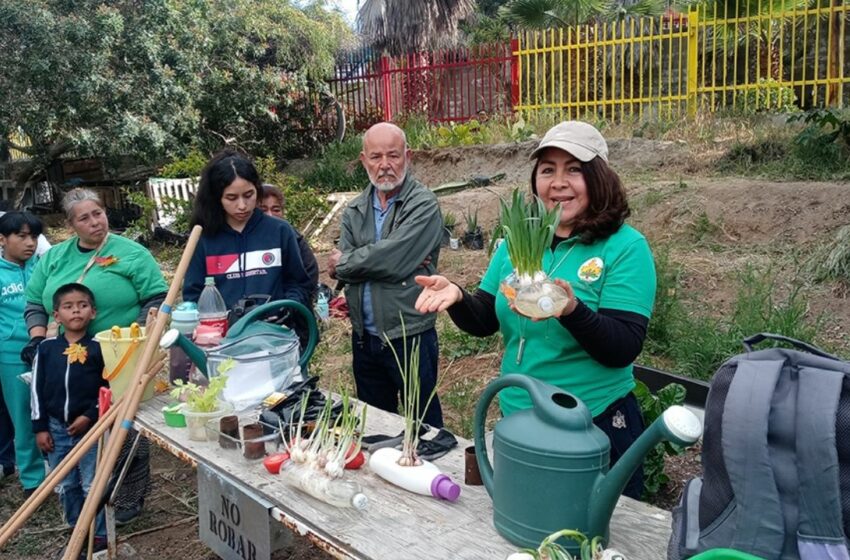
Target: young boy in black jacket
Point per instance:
(67, 377)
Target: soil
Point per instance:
(713, 226)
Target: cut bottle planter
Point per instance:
(535, 296)
(197, 421)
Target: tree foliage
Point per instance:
(541, 14)
(152, 79)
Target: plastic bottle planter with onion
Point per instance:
(528, 229)
(403, 468)
(201, 404)
(316, 463)
(550, 549)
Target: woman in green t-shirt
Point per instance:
(604, 265)
(127, 282)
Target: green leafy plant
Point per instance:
(197, 397)
(768, 95)
(449, 220)
(652, 406)
(181, 210)
(190, 165)
(408, 365)
(528, 229)
(471, 219)
(459, 134)
(142, 226)
(303, 204)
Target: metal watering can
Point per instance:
(551, 463)
(250, 336)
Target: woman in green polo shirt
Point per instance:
(604, 263)
(126, 280)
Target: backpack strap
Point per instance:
(819, 527)
(759, 525)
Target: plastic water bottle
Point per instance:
(212, 311)
(184, 318)
(337, 492)
(425, 479)
(322, 307)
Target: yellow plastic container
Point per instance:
(121, 356)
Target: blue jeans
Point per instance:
(75, 487)
(378, 378)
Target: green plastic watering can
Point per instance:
(550, 462)
(250, 335)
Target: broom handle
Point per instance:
(128, 409)
(70, 461)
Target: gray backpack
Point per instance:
(776, 479)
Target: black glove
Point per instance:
(28, 352)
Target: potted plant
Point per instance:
(472, 237)
(201, 404)
(528, 229)
(404, 467)
(449, 223)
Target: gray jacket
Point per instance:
(411, 232)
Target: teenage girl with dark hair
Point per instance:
(247, 252)
(604, 265)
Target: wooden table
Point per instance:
(397, 523)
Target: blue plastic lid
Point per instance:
(185, 312)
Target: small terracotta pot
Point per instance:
(252, 449)
(472, 476)
(228, 426)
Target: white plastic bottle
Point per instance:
(425, 479)
(322, 307)
(337, 492)
(212, 311)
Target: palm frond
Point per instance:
(399, 26)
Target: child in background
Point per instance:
(67, 377)
(19, 232)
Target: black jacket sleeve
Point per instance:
(612, 337)
(475, 313)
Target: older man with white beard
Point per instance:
(390, 234)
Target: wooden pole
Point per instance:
(127, 411)
(25, 511)
(32, 503)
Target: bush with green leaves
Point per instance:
(761, 305)
(337, 169)
(651, 407)
(189, 165)
(303, 204)
(768, 95)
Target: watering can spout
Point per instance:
(173, 337)
(677, 424)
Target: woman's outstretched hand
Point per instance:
(438, 294)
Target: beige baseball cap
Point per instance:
(582, 140)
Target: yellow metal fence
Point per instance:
(748, 55)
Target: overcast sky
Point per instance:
(349, 8)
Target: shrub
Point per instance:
(651, 407)
(189, 166)
(337, 169)
(303, 203)
(768, 95)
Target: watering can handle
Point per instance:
(259, 311)
(541, 397)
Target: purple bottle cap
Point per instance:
(443, 487)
